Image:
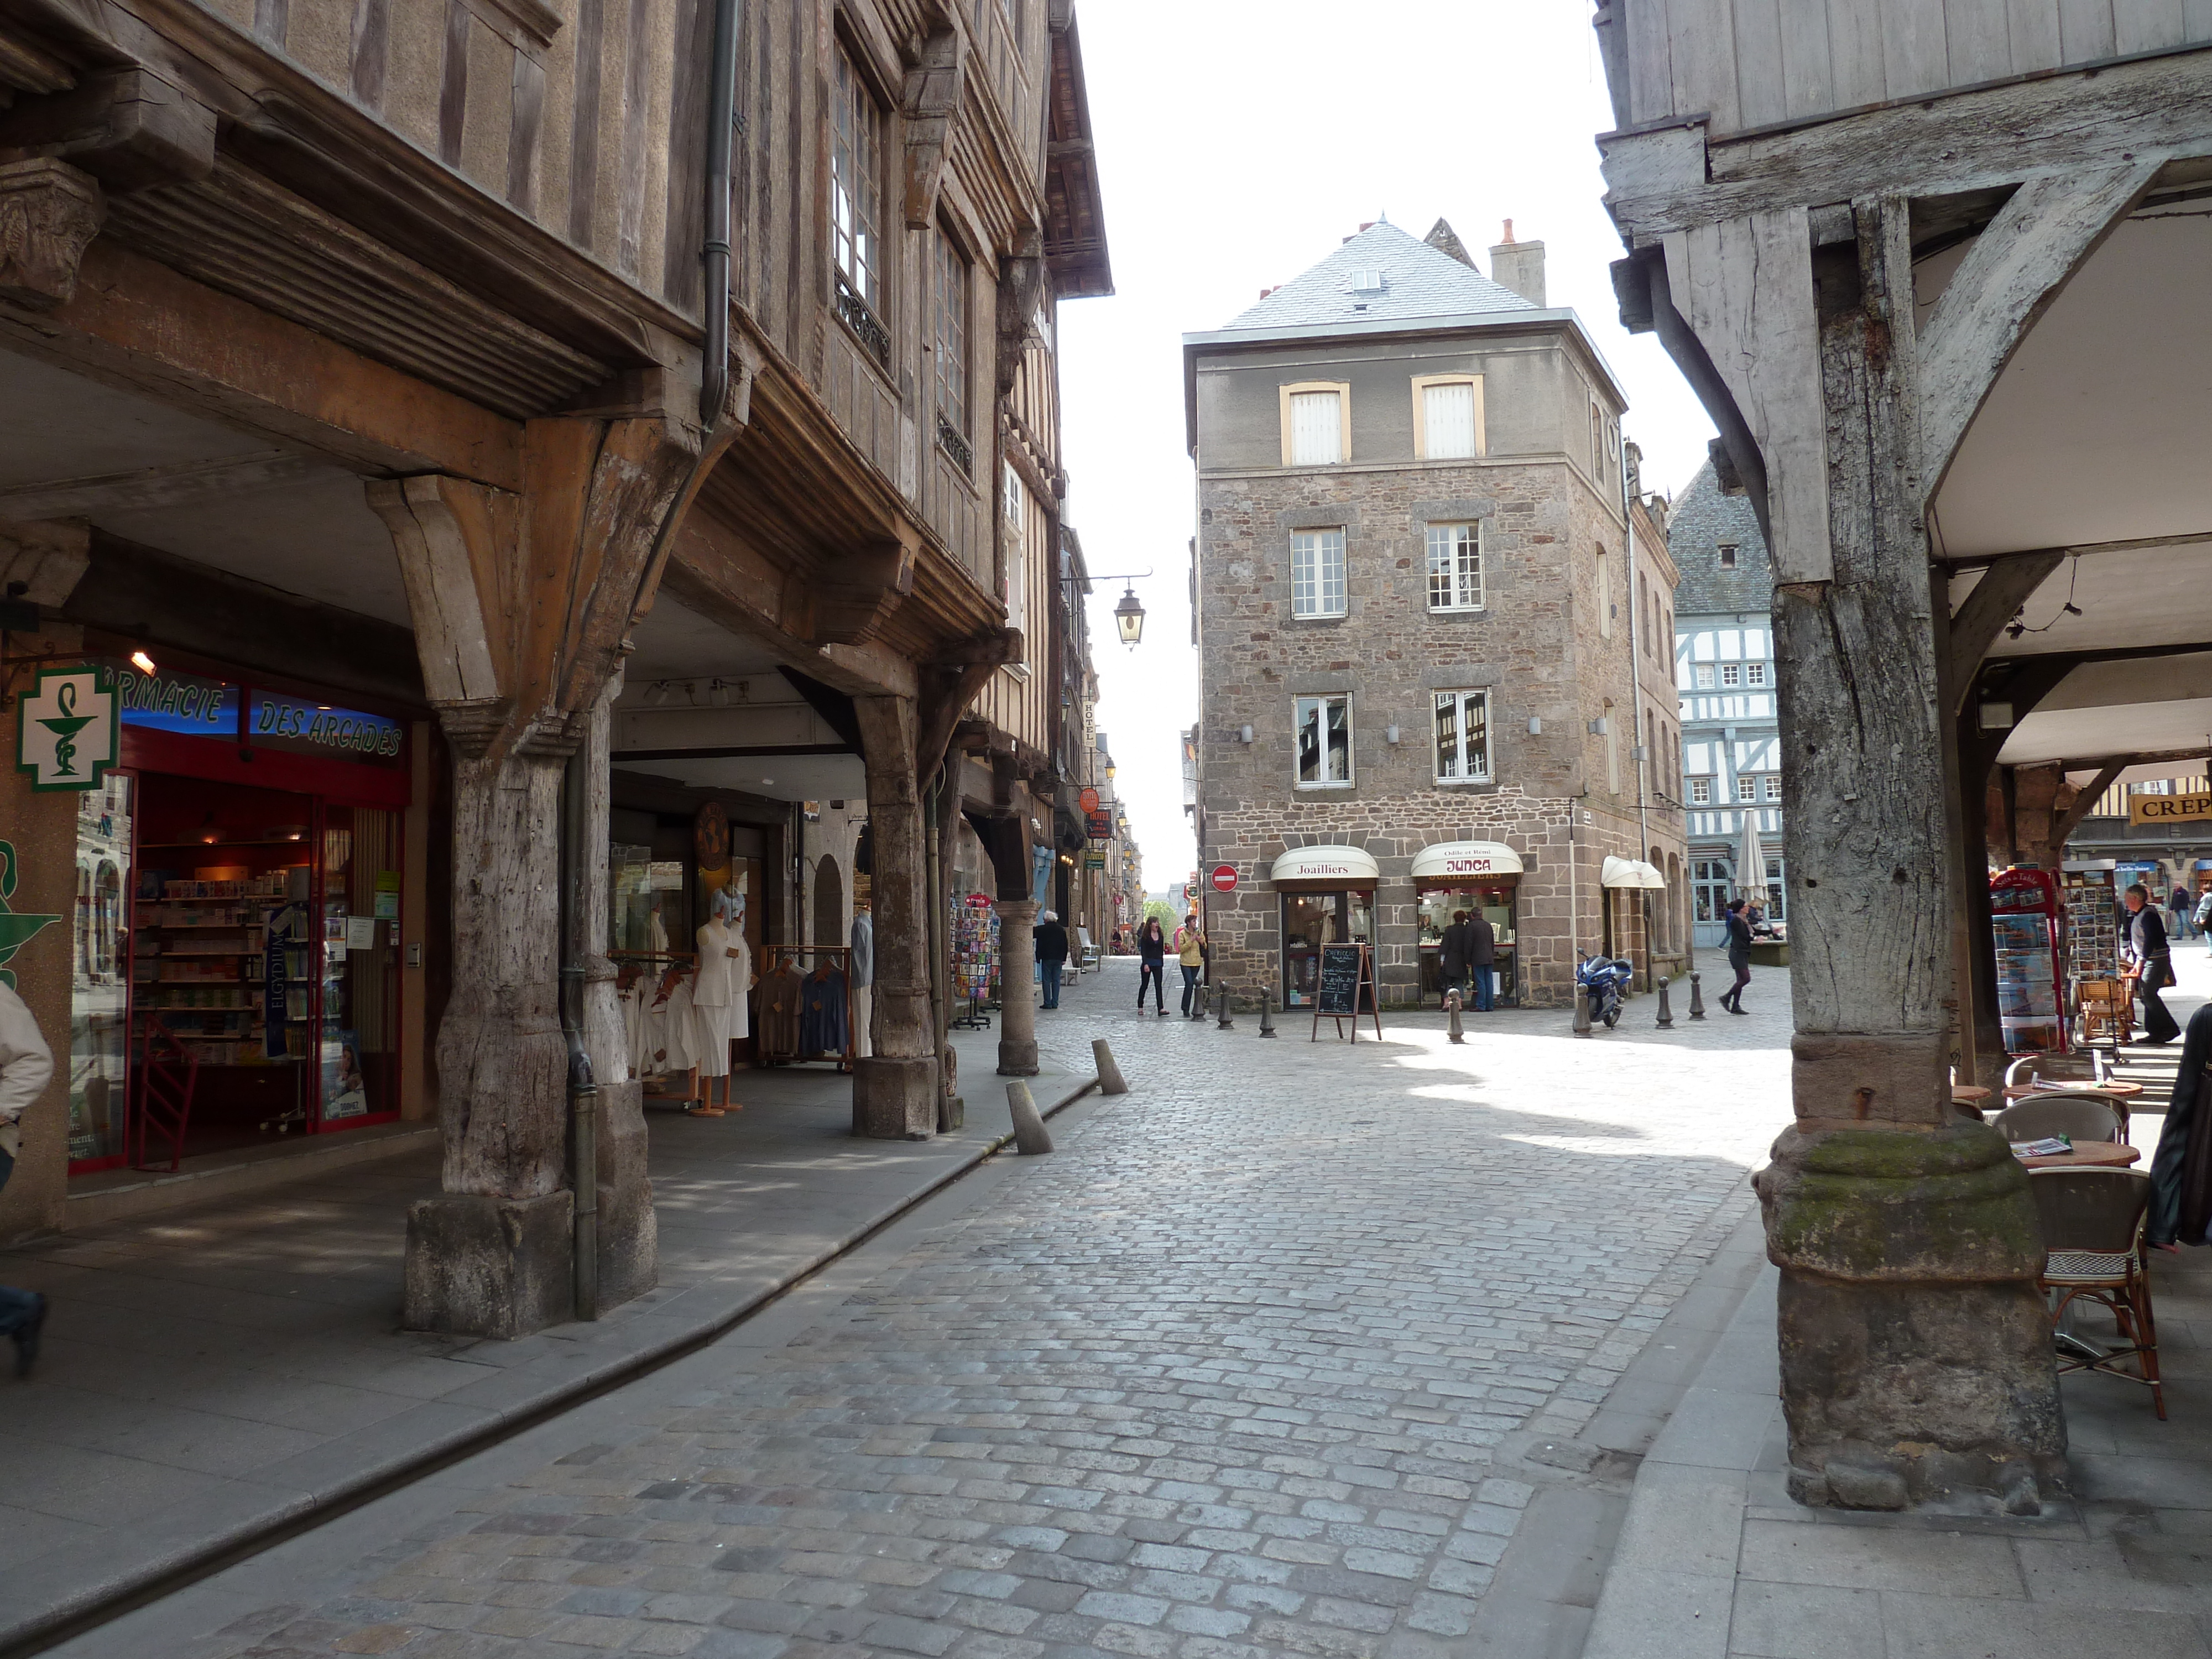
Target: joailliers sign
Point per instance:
(2169, 809)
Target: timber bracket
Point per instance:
(931, 98)
(49, 214)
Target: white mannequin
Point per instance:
(863, 979)
(723, 979)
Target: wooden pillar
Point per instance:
(1915, 1352)
(895, 1090)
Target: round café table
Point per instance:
(2087, 1155)
(2117, 1090)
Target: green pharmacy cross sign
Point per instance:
(17, 930)
(67, 735)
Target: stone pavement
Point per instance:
(1297, 1348)
(216, 1371)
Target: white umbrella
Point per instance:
(1751, 860)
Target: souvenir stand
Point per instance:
(803, 1015)
(2024, 918)
(975, 961)
(646, 981)
(2096, 993)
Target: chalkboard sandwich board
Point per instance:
(1345, 971)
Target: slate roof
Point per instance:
(1700, 521)
(1418, 280)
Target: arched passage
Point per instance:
(829, 902)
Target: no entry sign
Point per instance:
(1224, 877)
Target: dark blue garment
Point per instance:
(2181, 1169)
(17, 1308)
(1485, 993)
(822, 1023)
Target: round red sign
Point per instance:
(1224, 877)
(1088, 801)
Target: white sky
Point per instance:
(1240, 141)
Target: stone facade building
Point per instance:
(1725, 670)
(1416, 621)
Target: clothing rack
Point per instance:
(839, 957)
(634, 963)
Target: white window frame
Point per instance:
(1311, 594)
(1342, 389)
(857, 192)
(1746, 789)
(1318, 706)
(1727, 551)
(1701, 677)
(1604, 595)
(1474, 767)
(1754, 674)
(1701, 792)
(1014, 502)
(1421, 385)
(1769, 788)
(1731, 675)
(1451, 544)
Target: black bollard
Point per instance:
(1267, 1014)
(1581, 1011)
(1222, 1023)
(1697, 997)
(1452, 1026)
(1666, 1010)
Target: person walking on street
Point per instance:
(1190, 951)
(25, 1064)
(2203, 918)
(1051, 955)
(1738, 955)
(1454, 949)
(2180, 906)
(1152, 963)
(1482, 961)
(2150, 965)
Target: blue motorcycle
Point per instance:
(1606, 981)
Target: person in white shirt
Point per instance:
(26, 1065)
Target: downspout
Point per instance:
(940, 944)
(1636, 694)
(714, 247)
(583, 1089)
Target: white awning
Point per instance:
(1472, 858)
(1630, 873)
(1347, 866)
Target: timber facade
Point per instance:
(509, 434)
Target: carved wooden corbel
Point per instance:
(1021, 289)
(930, 102)
(128, 128)
(49, 214)
(867, 587)
(49, 558)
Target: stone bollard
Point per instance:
(1222, 1021)
(1267, 1014)
(1109, 1074)
(1581, 1011)
(1697, 997)
(1029, 1135)
(1452, 1026)
(1666, 1010)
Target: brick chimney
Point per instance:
(1519, 266)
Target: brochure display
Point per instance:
(2024, 922)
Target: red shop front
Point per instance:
(241, 889)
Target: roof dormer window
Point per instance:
(1366, 282)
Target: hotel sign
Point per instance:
(2169, 809)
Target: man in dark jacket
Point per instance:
(1454, 949)
(2150, 962)
(1738, 955)
(1482, 961)
(1051, 955)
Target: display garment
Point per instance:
(718, 994)
(822, 1024)
(779, 1012)
(863, 977)
(687, 1037)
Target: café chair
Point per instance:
(2078, 1117)
(2107, 1013)
(2092, 1239)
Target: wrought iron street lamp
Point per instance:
(1129, 614)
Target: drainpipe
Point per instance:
(1636, 691)
(714, 246)
(583, 1090)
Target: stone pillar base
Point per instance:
(1018, 1057)
(629, 1234)
(895, 1099)
(478, 1266)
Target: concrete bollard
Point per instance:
(1697, 997)
(1222, 1022)
(1452, 1026)
(1031, 1138)
(1666, 1009)
(1581, 1011)
(1109, 1074)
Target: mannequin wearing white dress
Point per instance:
(720, 991)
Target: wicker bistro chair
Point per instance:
(2078, 1117)
(2093, 1237)
(2107, 1011)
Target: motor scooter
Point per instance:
(1606, 981)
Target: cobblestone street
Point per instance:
(1255, 1362)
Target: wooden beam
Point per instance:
(181, 483)
(2063, 824)
(1996, 598)
(2010, 276)
(1671, 179)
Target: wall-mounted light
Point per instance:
(1598, 727)
(1536, 726)
(1244, 734)
(718, 693)
(1391, 734)
(1995, 716)
(141, 662)
(658, 693)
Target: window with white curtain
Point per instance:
(1016, 500)
(1448, 421)
(1456, 567)
(1317, 572)
(1462, 736)
(1317, 428)
(1324, 732)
